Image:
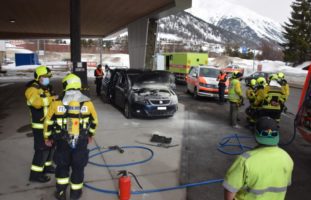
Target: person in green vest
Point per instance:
(263, 173)
(235, 97)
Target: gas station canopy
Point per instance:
(23, 19)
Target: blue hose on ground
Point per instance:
(242, 148)
(156, 190)
(114, 192)
(120, 165)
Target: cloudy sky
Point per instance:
(278, 10)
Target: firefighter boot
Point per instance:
(75, 194)
(60, 195)
(38, 177)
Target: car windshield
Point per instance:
(133, 77)
(209, 72)
(154, 78)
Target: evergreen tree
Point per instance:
(297, 48)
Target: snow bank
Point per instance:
(294, 75)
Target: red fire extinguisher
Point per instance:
(125, 185)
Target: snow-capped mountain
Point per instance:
(188, 28)
(237, 19)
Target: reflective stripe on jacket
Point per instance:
(235, 91)
(260, 174)
(38, 101)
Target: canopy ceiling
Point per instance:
(99, 18)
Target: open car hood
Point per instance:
(154, 80)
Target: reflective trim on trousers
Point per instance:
(76, 186)
(36, 168)
(37, 125)
(268, 189)
(62, 181)
(48, 163)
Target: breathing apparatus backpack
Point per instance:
(72, 128)
(73, 123)
(274, 98)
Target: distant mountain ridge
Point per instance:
(221, 22)
(190, 28)
(237, 19)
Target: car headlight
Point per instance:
(174, 100)
(141, 99)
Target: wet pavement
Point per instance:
(197, 127)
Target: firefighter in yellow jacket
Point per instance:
(282, 81)
(271, 99)
(262, 173)
(70, 124)
(39, 95)
(251, 96)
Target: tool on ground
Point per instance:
(160, 139)
(125, 184)
(158, 144)
(116, 147)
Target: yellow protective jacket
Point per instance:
(56, 119)
(263, 173)
(251, 95)
(235, 91)
(285, 90)
(270, 97)
(38, 100)
(260, 96)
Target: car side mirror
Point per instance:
(195, 75)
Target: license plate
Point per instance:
(161, 108)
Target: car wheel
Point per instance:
(195, 94)
(127, 111)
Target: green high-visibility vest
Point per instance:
(232, 95)
(260, 174)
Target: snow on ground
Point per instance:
(60, 68)
(293, 75)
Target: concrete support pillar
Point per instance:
(151, 43)
(75, 42)
(75, 33)
(137, 37)
(142, 41)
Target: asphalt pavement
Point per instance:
(197, 127)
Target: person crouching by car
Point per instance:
(99, 74)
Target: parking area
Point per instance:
(196, 128)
